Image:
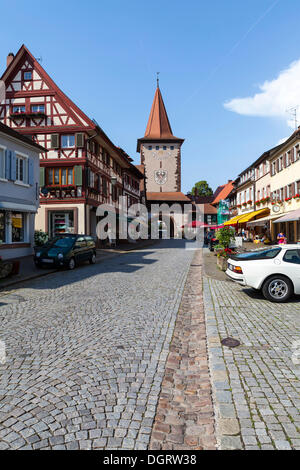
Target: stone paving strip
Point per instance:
(256, 386)
(86, 352)
(185, 416)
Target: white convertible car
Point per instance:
(274, 270)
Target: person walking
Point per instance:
(281, 238)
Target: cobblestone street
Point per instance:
(86, 351)
(256, 385)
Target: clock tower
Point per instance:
(160, 151)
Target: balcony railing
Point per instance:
(61, 193)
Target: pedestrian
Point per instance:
(281, 238)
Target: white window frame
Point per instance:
(19, 106)
(2, 178)
(25, 158)
(67, 146)
(37, 106)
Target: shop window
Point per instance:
(2, 227)
(2, 163)
(61, 222)
(17, 227)
(68, 141)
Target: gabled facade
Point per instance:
(82, 168)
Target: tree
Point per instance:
(203, 189)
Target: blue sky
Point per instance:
(105, 55)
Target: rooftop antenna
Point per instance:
(40, 59)
(157, 79)
(293, 112)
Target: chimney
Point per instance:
(9, 59)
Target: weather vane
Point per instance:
(157, 78)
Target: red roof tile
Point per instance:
(168, 196)
(224, 193)
(158, 126)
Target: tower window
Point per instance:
(157, 147)
(172, 147)
(164, 147)
(150, 147)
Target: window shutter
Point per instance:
(42, 177)
(54, 141)
(7, 163)
(13, 166)
(99, 183)
(292, 155)
(79, 139)
(78, 175)
(30, 172)
(293, 189)
(88, 177)
(277, 165)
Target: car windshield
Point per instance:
(259, 254)
(63, 242)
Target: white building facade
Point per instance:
(19, 193)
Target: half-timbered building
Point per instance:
(82, 168)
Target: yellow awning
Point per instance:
(234, 220)
(251, 215)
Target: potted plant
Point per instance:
(6, 268)
(225, 236)
(40, 238)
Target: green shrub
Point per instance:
(40, 237)
(225, 235)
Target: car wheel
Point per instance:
(71, 264)
(277, 289)
(93, 258)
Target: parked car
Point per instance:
(275, 271)
(66, 250)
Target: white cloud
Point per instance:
(281, 141)
(274, 98)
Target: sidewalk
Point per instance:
(29, 271)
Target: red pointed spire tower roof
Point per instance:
(158, 127)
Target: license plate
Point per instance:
(47, 260)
